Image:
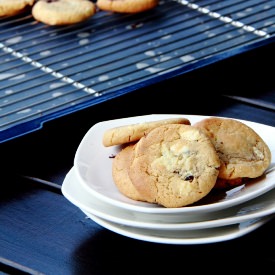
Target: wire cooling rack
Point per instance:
(47, 72)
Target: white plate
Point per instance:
(203, 236)
(257, 208)
(93, 164)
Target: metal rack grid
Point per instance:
(47, 72)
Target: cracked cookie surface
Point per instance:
(126, 6)
(133, 132)
(174, 165)
(14, 7)
(243, 153)
(63, 12)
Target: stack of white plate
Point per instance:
(220, 216)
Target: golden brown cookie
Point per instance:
(63, 12)
(174, 165)
(242, 152)
(133, 132)
(120, 168)
(126, 6)
(14, 7)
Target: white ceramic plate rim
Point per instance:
(93, 141)
(225, 234)
(71, 187)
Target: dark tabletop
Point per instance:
(41, 232)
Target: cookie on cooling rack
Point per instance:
(133, 132)
(14, 7)
(174, 165)
(243, 153)
(126, 6)
(63, 12)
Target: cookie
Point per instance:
(227, 184)
(174, 165)
(14, 7)
(243, 153)
(126, 6)
(120, 167)
(133, 132)
(63, 12)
